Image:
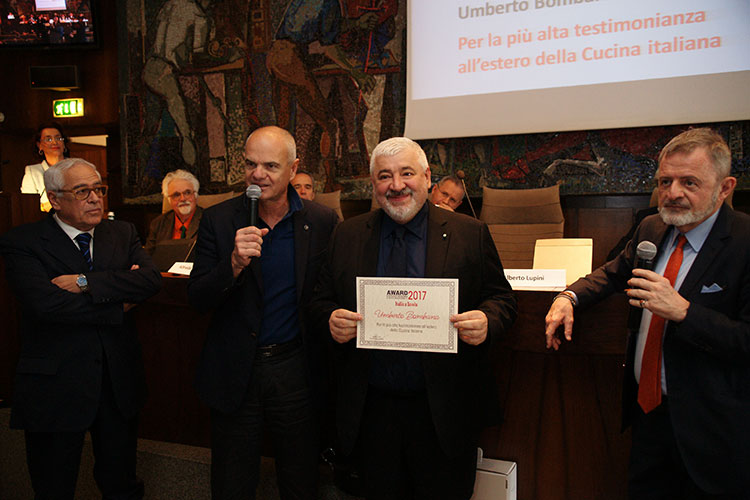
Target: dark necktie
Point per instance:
(649, 388)
(183, 233)
(395, 266)
(84, 240)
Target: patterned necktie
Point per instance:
(83, 240)
(649, 389)
(183, 233)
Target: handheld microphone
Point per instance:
(645, 253)
(253, 195)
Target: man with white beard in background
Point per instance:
(180, 187)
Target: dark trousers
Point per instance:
(402, 457)
(278, 399)
(54, 458)
(657, 471)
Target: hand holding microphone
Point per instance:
(248, 240)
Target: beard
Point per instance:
(402, 213)
(678, 219)
(185, 208)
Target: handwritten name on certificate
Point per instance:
(407, 314)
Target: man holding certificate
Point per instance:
(413, 296)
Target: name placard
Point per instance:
(543, 280)
(183, 268)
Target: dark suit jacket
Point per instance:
(226, 361)
(457, 247)
(162, 228)
(66, 336)
(706, 356)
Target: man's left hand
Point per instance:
(654, 292)
(67, 282)
(471, 325)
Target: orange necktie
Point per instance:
(649, 389)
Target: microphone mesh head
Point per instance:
(253, 192)
(646, 250)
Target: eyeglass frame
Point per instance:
(101, 191)
(50, 140)
(179, 194)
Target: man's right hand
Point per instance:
(561, 312)
(247, 243)
(343, 325)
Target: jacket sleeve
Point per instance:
(497, 299)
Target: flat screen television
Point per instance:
(48, 24)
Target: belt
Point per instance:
(271, 350)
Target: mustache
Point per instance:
(675, 204)
(392, 194)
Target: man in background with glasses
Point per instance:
(180, 188)
(80, 368)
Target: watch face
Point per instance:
(82, 282)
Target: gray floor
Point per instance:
(169, 471)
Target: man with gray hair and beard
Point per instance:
(180, 188)
(687, 374)
(414, 417)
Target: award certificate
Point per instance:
(407, 314)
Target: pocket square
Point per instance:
(711, 289)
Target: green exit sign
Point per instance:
(64, 108)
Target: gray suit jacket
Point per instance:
(65, 337)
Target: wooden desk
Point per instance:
(562, 409)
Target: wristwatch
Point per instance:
(82, 283)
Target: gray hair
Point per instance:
(179, 174)
(395, 146)
(54, 177)
(284, 135)
(704, 137)
(455, 180)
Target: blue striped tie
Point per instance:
(84, 239)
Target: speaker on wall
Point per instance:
(54, 77)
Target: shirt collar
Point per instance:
(414, 226)
(70, 230)
(697, 236)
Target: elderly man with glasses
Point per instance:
(180, 188)
(76, 277)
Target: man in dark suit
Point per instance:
(80, 366)
(180, 188)
(260, 367)
(687, 379)
(414, 417)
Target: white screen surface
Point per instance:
(478, 67)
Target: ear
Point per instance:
(293, 172)
(429, 177)
(53, 200)
(726, 187)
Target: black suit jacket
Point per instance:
(65, 337)
(457, 247)
(706, 356)
(237, 304)
(162, 228)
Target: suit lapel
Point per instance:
(709, 252)
(192, 231)
(103, 245)
(438, 238)
(240, 219)
(60, 247)
(301, 247)
(367, 264)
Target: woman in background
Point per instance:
(50, 144)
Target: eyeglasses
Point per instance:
(81, 194)
(50, 140)
(176, 196)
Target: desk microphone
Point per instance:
(253, 194)
(645, 253)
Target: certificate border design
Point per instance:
(449, 348)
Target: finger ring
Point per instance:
(643, 303)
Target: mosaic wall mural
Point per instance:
(197, 76)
